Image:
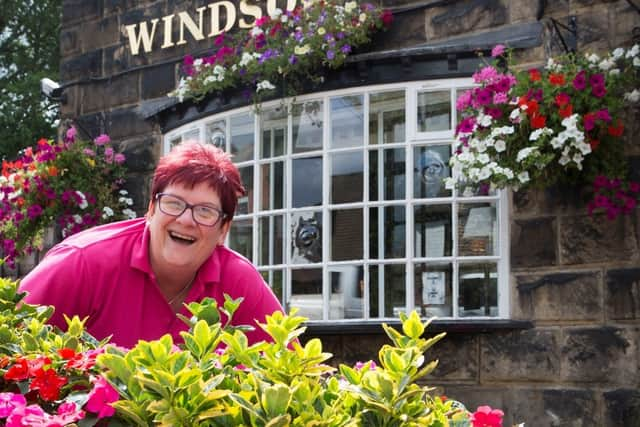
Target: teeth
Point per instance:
(181, 236)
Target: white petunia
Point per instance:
(77, 219)
(523, 177)
(276, 13)
(633, 52)
(107, 212)
(606, 64)
(593, 58)
(633, 96)
(350, 6)
(500, 146)
(264, 85)
(617, 53)
(524, 153)
(256, 31)
(128, 213)
(636, 61)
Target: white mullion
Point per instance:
(409, 231)
(503, 266)
(256, 188)
(326, 181)
(288, 202)
(365, 211)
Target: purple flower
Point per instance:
(603, 115)
(464, 100)
(467, 124)
(345, 49)
(331, 55)
(599, 182)
(34, 211)
(494, 112)
(340, 35)
(89, 152)
(580, 81)
(293, 59)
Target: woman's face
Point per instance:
(180, 242)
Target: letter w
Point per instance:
(135, 39)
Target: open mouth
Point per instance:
(182, 239)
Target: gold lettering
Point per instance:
(143, 36)
(215, 17)
(249, 10)
(168, 32)
(271, 6)
(196, 31)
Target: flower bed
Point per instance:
(286, 49)
(561, 124)
(71, 184)
(54, 378)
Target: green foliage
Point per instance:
(29, 42)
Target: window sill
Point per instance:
(450, 326)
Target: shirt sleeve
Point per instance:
(60, 280)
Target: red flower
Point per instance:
(589, 121)
(538, 121)
(594, 143)
(566, 111)
(387, 18)
(487, 417)
(532, 107)
(66, 353)
(616, 130)
(534, 75)
(48, 384)
(556, 79)
(562, 99)
(19, 371)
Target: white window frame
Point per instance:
(413, 139)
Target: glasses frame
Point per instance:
(221, 216)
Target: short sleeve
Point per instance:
(60, 280)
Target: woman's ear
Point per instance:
(150, 209)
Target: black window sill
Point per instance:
(437, 326)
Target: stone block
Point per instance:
(571, 407)
(125, 123)
(103, 33)
(140, 153)
(414, 33)
(463, 17)
(585, 239)
(592, 25)
(138, 186)
(463, 367)
(520, 355)
(623, 18)
(522, 11)
(158, 81)
(560, 296)
(82, 66)
(606, 355)
(623, 294)
(533, 242)
(622, 407)
(80, 10)
(69, 42)
(119, 6)
(110, 93)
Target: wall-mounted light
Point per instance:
(53, 90)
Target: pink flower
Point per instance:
(70, 136)
(500, 98)
(580, 81)
(486, 74)
(603, 115)
(119, 158)
(463, 101)
(497, 50)
(487, 417)
(102, 139)
(9, 402)
(20, 416)
(101, 397)
(370, 364)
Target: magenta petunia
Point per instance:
(101, 397)
(497, 50)
(580, 81)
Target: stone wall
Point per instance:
(576, 278)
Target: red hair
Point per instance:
(192, 163)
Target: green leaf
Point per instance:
(275, 400)
(412, 326)
(281, 421)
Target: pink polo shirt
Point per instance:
(104, 273)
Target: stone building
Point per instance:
(541, 302)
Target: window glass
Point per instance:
(275, 279)
(387, 174)
(272, 186)
(478, 290)
(477, 229)
(307, 182)
(306, 293)
(245, 203)
(216, 134)
(346, 234)
(434, 111)
(347, 287)
(387, 238)
(347, 177)
(274, 132)
(242, 137)
(433, 291)
(387, 117)
(431, 167)
(432, 231)
(347, 121)
(387, 292)
(307, 126)
(271, 240)
(306, 237)
(240, 237)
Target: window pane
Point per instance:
(275, 279)
(478, 290)
(272, 186)
(347, 288)
(242, 137)
(240, 237)
(347, 121)
(387, 237)
(434, 111)
(346, 177)
(274, 132)
(306, 238)
(271, 240)
(389, 164)
(478, 229)
(346, 234)
(387, 281)
(431, 167)
(387, 117)
(216, 134)
(307, 182)
(192, 135)
(307, 126)
(306, 293)
(174, 142)
(245, 203)
(432, 231)
(433, 295)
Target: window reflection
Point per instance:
(347, 121)
(347, 288)
(245, 203)
(389, 164)
(306, 237)
(240, 237)
(242, 137)
(478, 229)
(275, 279)
(271, 240)
(346, 177)
(434, 111)
(307, 126)
(274, 133)
(387, 237)
(387, 117)
(346, 234)
(478, 290)
(431, 168)
(306, 293)
(216, 134)
(432, 230)
(307, 182)
(387, 281)
(433, 295)
(272, 186)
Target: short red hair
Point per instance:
(192, 163)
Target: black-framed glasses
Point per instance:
(202, 214)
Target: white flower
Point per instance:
(636, 62)
(524, 153)
(107, 212)
(362, 17)
(617, 53)
(485, 173)
(123, 192)
(515, 114)
(500, 146)
(633, 52)
(77, 219)
(593, 58)
(256, 31)
(614, 72)
(484, 120)
(564, 159)
(83, 203)
(449, 183)
(276, 13)
(284, 19)
(633, 96)
(523, 177)
(606, 64)
(539, 132)
(128, 213)
(210, 79)
(348, 7)
(302, 50)
(246, 58)
(483, 158)
(197, 63)
(264, 85)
